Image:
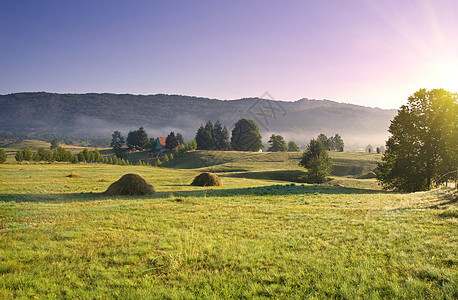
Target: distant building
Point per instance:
(159, 147)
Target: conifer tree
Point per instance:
(317, 162)
(171, 142)
(117, 142)
(220, 137)
(204, 138)
(180, 138)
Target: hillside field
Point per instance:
(260, 235)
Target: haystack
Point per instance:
(207, 179)
(130, 184)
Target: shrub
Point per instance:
(2, 156)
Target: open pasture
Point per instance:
(251, 238)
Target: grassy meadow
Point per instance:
(261, 235)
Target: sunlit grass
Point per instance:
(250, 238)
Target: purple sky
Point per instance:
(368, 52)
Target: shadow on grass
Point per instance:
(446, 200)
(273, 190)
(290, 176)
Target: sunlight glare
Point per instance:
(446, 75)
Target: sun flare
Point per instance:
(446, 75)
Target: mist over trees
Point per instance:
(424, 142)
(332, 143)
(93, 117)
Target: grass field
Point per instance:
(254, 237)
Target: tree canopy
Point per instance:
(422, 148)
(204, 136)
(293, 147)
(221, 137)
(137, 139)
(333, 143)
(246, 136)
(317, 162)
(213, 137)
(277, 144)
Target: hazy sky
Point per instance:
(369, 52)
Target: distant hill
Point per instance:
(85, 115)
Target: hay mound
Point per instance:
(207, 179)
(130, 184)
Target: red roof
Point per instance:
(162, 141)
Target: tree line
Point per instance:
(245, 136)
(59, 154)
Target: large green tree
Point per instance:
(317, 162)
(246, 136)
(423, 143)
(277, 144)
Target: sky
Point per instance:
(365, 52)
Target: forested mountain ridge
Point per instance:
(100, 114)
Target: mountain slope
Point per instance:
(100, 114)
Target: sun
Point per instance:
(445, 75)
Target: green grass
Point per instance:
(271, 166)
(251, 238)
